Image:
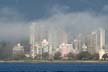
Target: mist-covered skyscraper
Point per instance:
(53, 39)
(101, 37)
(40, 32)
(56, 36)
(32, 40)
(95, 40)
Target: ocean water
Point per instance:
(53, 67)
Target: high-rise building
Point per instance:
(95, 41)
(91, 42)
(101, 38)
(32, 40)
(77, 45)
(41, 32)
(37, 34)
(56, 36)
(53, 39)
(45, 47)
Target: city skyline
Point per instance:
(57, 40)
(46, 27)
(53, 35)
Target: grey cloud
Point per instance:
(72, 22)
(76, 22)
(105, 8)
(10, 15)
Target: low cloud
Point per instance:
(75, 22)
(13, 25)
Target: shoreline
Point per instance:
(55, 61)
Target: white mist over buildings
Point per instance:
(13, 25)
(54, 35)
(55, 39)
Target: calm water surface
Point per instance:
(53, 67)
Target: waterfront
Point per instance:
(53, 67)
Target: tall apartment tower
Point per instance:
(102, 37)
(95, 41)
(101, 43)
(56, 36)
(91, 41)
(53, 40)
(32, 40)
(76, 45)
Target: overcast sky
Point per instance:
(77, 16)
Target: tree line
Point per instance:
(70, 56)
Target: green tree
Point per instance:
(45, 55)
(105, 56)
(39, 56)
(84, 56)
(18, 56)
(95, 56)
(57, 56)
(5, 50)
(71, 56)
